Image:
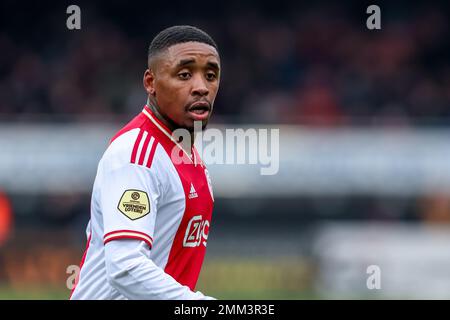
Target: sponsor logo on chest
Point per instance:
(196, 233)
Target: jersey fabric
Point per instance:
(147, 189)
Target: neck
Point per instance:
(153, 106)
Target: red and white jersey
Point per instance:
(141, 194)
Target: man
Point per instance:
(150, 213)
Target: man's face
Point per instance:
(185, 84)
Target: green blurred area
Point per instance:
(257, 278)
(46, 293)
(226, 278)
(34, 293)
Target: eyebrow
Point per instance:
(213, 65)
(185, 62)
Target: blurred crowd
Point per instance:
(317, 66)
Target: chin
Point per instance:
(190, 126)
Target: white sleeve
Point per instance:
(129, 198)
(133, 274)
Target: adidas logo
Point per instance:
(192, 193)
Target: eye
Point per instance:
(184, 75)
(210, 76)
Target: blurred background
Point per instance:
(364, 157)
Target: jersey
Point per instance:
(140, 192)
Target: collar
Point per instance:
(194, 157)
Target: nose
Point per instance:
(199, 86)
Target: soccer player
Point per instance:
(150, 214)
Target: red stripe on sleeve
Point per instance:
(144, 150)
(136, 145)
(132, 231)
(152, 154)
(137, 237)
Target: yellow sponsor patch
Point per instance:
(134, 204)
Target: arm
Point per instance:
(134, 275)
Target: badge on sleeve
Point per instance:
(134, 204)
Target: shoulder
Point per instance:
(136, 143)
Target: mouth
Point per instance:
(199, 110)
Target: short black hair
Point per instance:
(178, 34)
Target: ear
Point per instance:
(149, 82)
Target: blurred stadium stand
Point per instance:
(364, 119)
